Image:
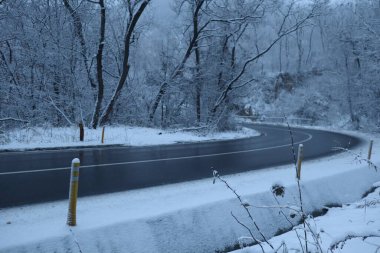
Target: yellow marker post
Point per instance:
(74, 181)
(370, 150)
(299, 161)
(103, 135)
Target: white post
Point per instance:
(74, 181)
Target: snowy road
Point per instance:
(40, 176)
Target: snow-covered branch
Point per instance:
(13, 119)
(357, 157)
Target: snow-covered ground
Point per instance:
(196, 216)
(352, 228)
(38, 137)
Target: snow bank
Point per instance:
(352, 228)
(38, 137)
(186, 217)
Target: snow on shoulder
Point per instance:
(351, 228)
(50, 137)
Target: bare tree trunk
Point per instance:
(321, 34)
(280, 57)
(287, 54)
(56, 91)
(353, 117)
(198, 81)
(308, 59)
(159, 96)
(300, 51)
(99, 66)
(9, 70)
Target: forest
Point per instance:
(188, 63)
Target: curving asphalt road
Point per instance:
(41, 176)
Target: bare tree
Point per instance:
(99, 66)
(193, 44)
(65, 61)
(290, 23)
(78, 28)
(134, 17)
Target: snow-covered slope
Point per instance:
(353, 228)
